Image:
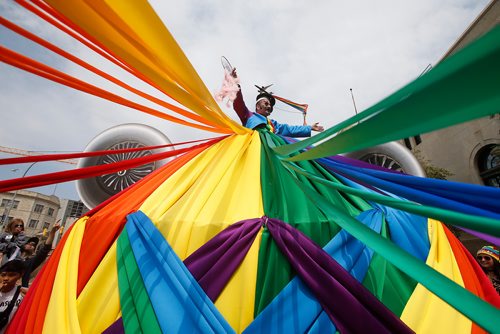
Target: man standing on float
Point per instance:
(263, 109)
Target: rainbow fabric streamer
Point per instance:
(300, 107)
(251, 233)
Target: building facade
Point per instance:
(70, 212)
(471, 150)
(38, 211)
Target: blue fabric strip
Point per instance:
(409, 193)
(401, 225)
(178, 300)
(487, 198)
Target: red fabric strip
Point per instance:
(81, 173)
(55, 157)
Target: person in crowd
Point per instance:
(263, 108)
(489, 260)
(10, 294)
(33, 259)
(12, 240)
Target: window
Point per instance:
(46, 225)
(7, 202)
(488, 162)
(50, 212)
(33, 223)
(38, 208)
(5, 220)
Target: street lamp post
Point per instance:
(11, 204)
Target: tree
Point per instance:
(430, 169)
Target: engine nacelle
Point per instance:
(95, 190)
(390, 155)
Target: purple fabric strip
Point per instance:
(351, 307)
(214, 263)
(486, 237)
(115, 328)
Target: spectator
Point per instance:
(12, 240)
(31, 259)
(489, 260)
(10, 296)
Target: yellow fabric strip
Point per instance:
(237, 300)
(133, 31)
(62, 316)
(425, 312)
(216, 189)
(99, 303)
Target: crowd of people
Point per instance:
(20, 258)
(489, 260)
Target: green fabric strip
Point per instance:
(461, 299)
(461, 88)
(137, 313)
(477, 223)
(284, 200)
(391, 286)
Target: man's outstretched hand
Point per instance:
(317, 127)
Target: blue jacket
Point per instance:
(280, 129)
(252, 120)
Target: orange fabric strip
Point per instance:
(96, 46)
(8, 24)
(16, 59)
(25, 321)
(469, 276)
(68, 31)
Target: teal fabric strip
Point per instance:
(461, 88)
(137, 313)
(459, 298)
(477, 223)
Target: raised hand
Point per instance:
(317, 127)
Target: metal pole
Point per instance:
(11, 204)
(354, 102)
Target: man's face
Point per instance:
(264, 107)
(8, 280)
(30, 247)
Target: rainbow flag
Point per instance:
(255, 234)
(300, 107)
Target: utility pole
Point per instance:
(11, 204)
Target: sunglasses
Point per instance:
(19, 226)
(486, 258)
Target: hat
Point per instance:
(33, 239)
(13, 266)
(267, 96)
(491, 251)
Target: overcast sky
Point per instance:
(311, 53)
